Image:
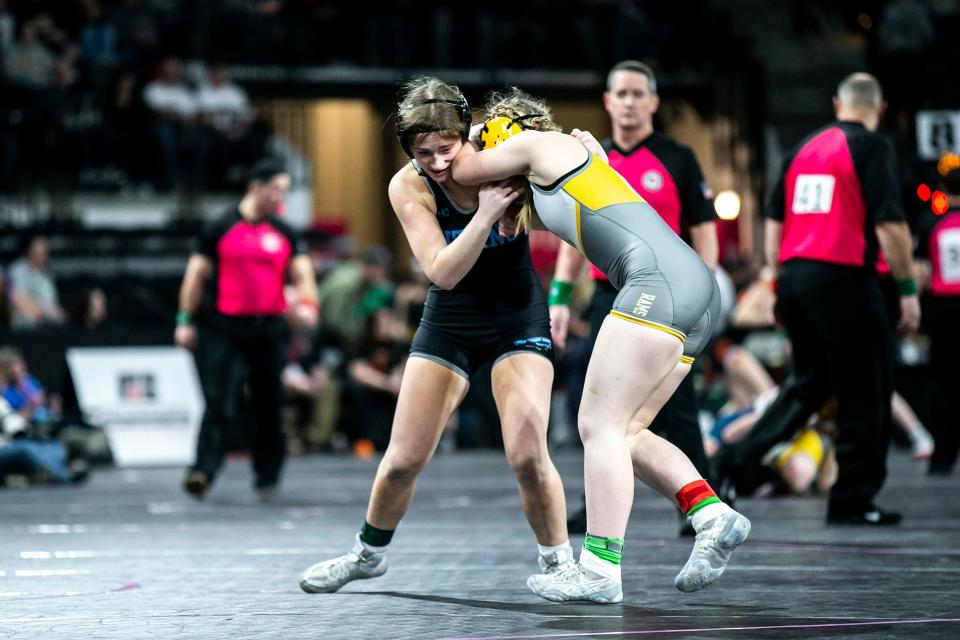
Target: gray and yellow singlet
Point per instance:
(663, 283)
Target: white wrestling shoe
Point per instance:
(574, 582)
(712, 550)
(554, 561)
(330, 575)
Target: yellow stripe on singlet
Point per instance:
(599, 186)
(652, 325)
(686, 359)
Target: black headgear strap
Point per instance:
(520, 119)
(463, 110)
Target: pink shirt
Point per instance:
(251, 263)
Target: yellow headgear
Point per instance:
(806, 442)
(497, 130)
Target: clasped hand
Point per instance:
(500, 201)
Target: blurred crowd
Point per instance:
(86, 88)
(95, 94)
(136, 32)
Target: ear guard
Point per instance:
(497, 130)
(463, 110)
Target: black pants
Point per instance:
(677, 421)
(942, 317)
(226, 345)
(805, 392)
(840, 332)
(890, 295)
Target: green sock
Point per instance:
(375, 537)
(609, 549)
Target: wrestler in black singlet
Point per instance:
(497, 309)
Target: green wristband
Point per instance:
(184, 318)
(907, 287)
(559, 292)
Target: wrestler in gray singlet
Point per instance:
(663, 283)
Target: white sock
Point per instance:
(708, 513)
(555, 555)
(544, 550)
(370, 547)
(598, 565)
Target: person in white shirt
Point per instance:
(226, 117)
(223, 105)
(32, 289)
(175, 106)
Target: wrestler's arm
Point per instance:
(511, 157)
(444, 264)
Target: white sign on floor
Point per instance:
(148, 399)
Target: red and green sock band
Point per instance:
(609, 549)
(695, 496)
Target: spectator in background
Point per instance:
(347, 289)
(311, 386)
(32, 288)
(373, 381)
(22, 455)
(348, 295)
(98, 42)
(225, 117)
(174, 107)
(90, 310)
(40, 460)
(22, 391)
(29, 63)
